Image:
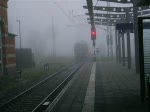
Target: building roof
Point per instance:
(12, 35)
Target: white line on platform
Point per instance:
(88, 105)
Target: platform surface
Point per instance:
(104, 86)
(117, 89)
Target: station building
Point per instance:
(7, 44)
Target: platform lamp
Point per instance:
(144, 3)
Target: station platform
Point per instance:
(117, 89)
(104, 86)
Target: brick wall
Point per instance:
(10, 51)
(10, 54)
(11, 60)
(8, 42)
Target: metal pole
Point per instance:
(94, 50)
(107, 44)
(111, 38)
(129, 49)
(119, 48)
(108, 33)
(136, 39)
(19, 31)
(53, 37)
(128, 42)
(123, 50)
(141, 51)
(116, 44)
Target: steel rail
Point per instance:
(36, 85)
(56, 91)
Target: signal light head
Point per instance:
(93, 33)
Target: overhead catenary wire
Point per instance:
(87, 24)
(82, 19)
(62, 10)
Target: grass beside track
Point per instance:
(9, 86)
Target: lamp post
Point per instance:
(19, 31)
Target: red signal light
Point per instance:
(93, 33)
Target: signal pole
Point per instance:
(93, 38)
(94, 50)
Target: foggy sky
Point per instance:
(69, 19)
(36, 16)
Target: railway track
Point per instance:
(32, 99)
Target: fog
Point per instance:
(36, 25)
(67, 17)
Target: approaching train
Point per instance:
(81, 51)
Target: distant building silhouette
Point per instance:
(24, 58)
